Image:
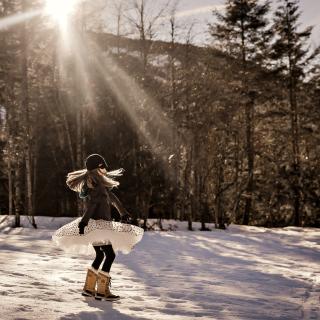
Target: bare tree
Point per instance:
(145, 22)
(25, 101)
(119, 10)
(172, 60)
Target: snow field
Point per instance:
(241, 273)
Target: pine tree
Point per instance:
(291, 56)
(244, 30)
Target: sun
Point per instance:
(60, 10)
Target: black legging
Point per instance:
(101, 252)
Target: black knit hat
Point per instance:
(95, 161)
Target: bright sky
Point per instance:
(201, 10)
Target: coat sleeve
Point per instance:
(92, 205)
(116, 203)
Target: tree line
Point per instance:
(223, 133)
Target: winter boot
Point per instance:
(103, 287)
(89, 288)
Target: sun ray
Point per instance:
(12, 20)
(81, 66)
(154, 128)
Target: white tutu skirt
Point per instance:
(123, 237)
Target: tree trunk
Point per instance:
(204, 215)
(18, 194)
(26, 107)
(30, 212)
(295, 151)
(249, 111)
(34, 182)
(237, 170)
(119, 8)
(219, 208)
(10, 183)
(191, 172)
(79, 154)
(10, 156)
(190, 208)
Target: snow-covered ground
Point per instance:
(241, 273)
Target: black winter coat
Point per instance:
(99, 204)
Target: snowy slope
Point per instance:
(242, 273)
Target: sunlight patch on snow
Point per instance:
(158, 60)
(115, 50)
(135, 54)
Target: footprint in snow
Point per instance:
(6, 293)
(73, 290)
(67, 280)
(175, 295)
(136, 309)
(24, 308)
(55, 299)
(154, 294)
(137, 298)
(170, 305)
(16, 274)
(37, 283)
(200, 287)
(178, 301)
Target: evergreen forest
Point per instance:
(223, 132)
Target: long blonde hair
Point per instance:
(76, 179)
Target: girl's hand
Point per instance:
(81, 226)
(126, 218)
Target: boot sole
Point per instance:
(87, 294)
(107, 299)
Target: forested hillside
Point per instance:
(223, 133)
